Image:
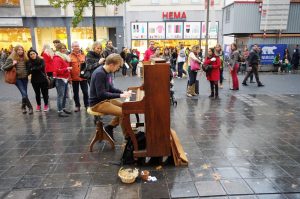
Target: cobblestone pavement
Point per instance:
(245, 145)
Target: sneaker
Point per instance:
(260, 85)
(108, 130)
(245, 84)
(67, 112)
(77, 109)
(62, 114)
(189, 95)
(38, 108)
(46, 108)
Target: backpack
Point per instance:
(127, 157)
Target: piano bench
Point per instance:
(100, 135)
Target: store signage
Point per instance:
(174, 16)
(139, 30)
(269, 51)
(174, 30)
(192, 30)
(156, 30)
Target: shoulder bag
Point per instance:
(11, 76)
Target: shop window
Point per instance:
(84, 35)
(196, 1)
(155, 1)
(10, 37)
(175, 1)
(9, 3)
(47, 35)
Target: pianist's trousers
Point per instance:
(111, 107)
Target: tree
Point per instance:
(79, 6)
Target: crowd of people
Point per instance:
(287, 63)
(65, 68)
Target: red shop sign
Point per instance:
(174, 15)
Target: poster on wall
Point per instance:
(212, 30)
(139, 30)
(156, 30)
(174, 30)
(269, 51)
(192, 30)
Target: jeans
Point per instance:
(38, 88)
(221, 76)
(62, 92)
(192, 76)
(22, 86)
(124, 70)
(134, 68)
(84, 88)
(180, 69)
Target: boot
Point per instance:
(28, 104)
(189, 91)
(216, 92)
(193, 88)
(24, 106)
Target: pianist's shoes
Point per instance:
(108, 130)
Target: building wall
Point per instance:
(146, 11)
(245, 19)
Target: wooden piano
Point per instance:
(153, 100)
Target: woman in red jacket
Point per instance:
(47, 55)
(213, 76)
(61, 62)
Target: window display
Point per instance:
(156, 30)
(139, 30)
(174, 30)
(192, 30)
(10, 37)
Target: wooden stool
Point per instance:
(100, 135)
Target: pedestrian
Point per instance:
(47, 54)
(103, 95)
(150, 51)
(295, 60)
(166, 55)
(253, 61)
(174, 61)
(277, 62)
(18, 59)
(125, 54)
(193, 59)
(94, 59)
(77, 58)
(109, 49)
(156, 54)
(219, 53)
(180, 61)
(134, 61)
(55, 43)
(286, 61)
(234, 66)
(213, 76)
(61, 62)
(36, 67)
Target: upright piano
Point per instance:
(153, 100)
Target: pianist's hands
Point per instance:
(126, 94)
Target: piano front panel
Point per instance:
(157, 109)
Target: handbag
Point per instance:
(84, 72)
(51, 82)
(11, 76)
(207, 68)
(195, 65)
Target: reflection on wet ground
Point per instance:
(241, 146)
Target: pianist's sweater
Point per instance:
(101, 87)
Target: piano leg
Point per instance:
(129, 131)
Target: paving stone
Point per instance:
(105, 192)
(260, 186)
(210, 188)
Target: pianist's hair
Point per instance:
(114, 59)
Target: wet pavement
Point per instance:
(245, 145)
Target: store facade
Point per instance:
(170, 28)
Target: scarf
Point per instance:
(63, 56)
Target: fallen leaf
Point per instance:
(216, 176)
(77, 184)
(205, 166)
(158, 167)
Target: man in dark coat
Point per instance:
(295, 60)
(253, 61)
